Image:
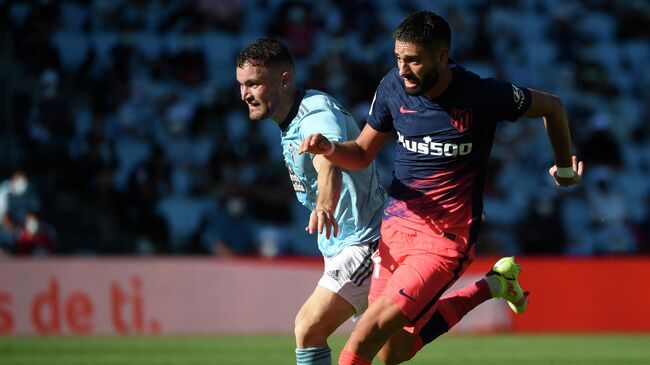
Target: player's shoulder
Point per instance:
(317, 101)
(469, 83)
(471, 79)
(391, 86)
(319, 106)
(464, 76)
(391, 80)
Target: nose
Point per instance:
(243, 90)
(403, 68)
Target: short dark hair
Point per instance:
(266, 52)
(425, 28)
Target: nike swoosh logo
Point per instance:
(401, 291)
(406, 111)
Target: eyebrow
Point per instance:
(250, 81)
(409, 56)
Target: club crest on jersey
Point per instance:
(461, 119)
(291, 151)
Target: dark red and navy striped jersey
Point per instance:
(442, 147)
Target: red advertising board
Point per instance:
(140, 296)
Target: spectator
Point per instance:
(296, 23)
(543, 231)
(35, 237)
(50, 125)
(222, 14)
(17, 197)
(188, 64)
(226, 229)
(148, 182)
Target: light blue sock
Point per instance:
(314, 356)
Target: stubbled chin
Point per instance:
(256, 115)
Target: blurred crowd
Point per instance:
(122, 131)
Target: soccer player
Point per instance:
(346, 206)
(445, 119)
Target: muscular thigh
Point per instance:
(324, 308)
(348, 275)
(414, 275)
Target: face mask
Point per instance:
(19, 186)
(31, 225)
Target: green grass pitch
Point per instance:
(609, 349)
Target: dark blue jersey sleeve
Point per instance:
(379, 117)
(507, 101)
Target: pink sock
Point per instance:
(457, 304)
(350, 358)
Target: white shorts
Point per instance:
(348, 274)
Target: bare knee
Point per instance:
(379, 324)
(308, 333)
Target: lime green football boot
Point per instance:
(506, 271)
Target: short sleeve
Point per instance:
(325, 122)
(379, 116)
(507, 101)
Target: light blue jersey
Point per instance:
(361, 204)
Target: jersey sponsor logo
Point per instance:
(298, 186)
(461, 119)
(403, 110)
(518, 96)
(428, 147)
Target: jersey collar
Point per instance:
(300, 94)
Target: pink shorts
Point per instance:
(413, 269)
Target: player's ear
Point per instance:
(443, 55)
(287, 79)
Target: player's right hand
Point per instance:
(323, 219)
(316, 144)
(578, 168)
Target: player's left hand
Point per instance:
(322, 219)
(578, 168)
(316, 143)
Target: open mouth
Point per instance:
(410, 82)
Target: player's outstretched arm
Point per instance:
(329, 192)
(351, 155)
(568, 169)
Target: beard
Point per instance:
(259, 112)
(423, 84)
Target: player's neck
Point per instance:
(285, 107)
(443, 83)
